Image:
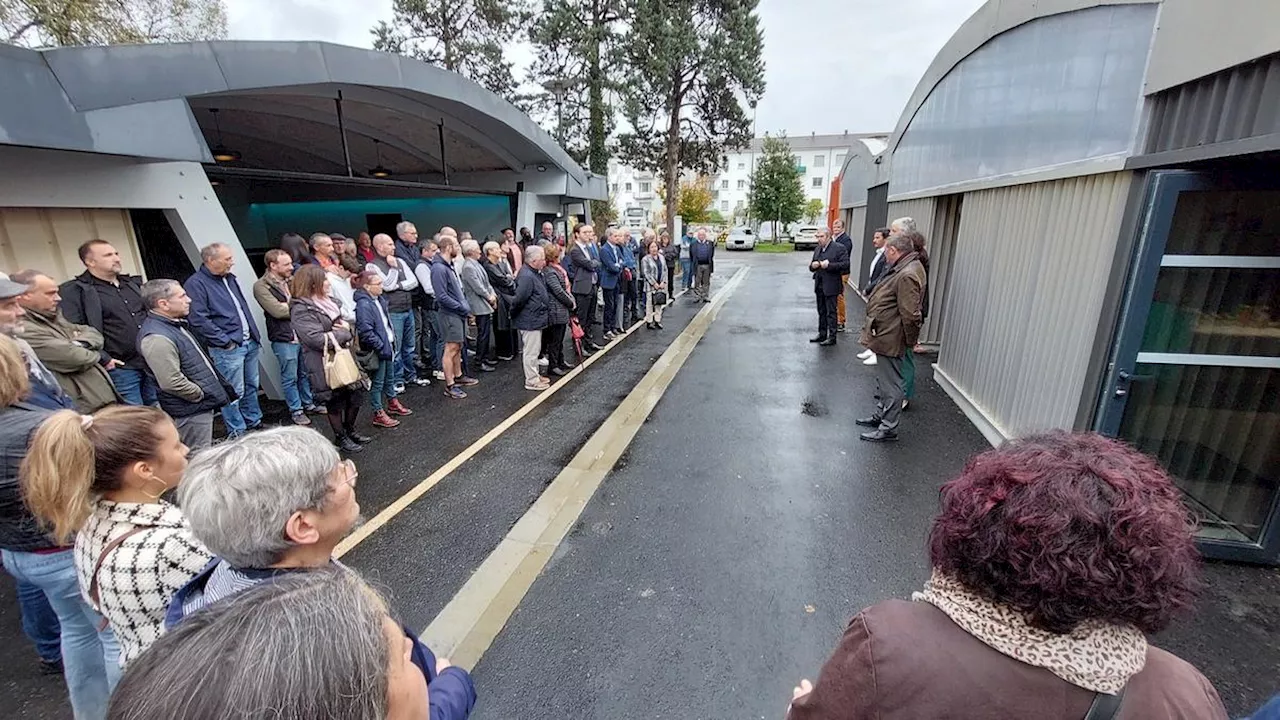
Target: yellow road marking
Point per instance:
(376, 522)
(467, 626)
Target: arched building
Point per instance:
(163, 149)
(1099, 182)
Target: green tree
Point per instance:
(604, 212)
(463, 36)
(691, 65)
(813, 210)
(55, 23)
(776, 192)
(715, 218)
(576, 42)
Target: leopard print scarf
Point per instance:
(1097, 656)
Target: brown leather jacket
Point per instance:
(907, 661)
(894, 310)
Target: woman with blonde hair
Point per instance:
(31, 556)
(100, 479)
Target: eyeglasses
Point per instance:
(352, 473)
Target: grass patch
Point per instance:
(775, 247)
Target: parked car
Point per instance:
(806, 237)
(740, 238)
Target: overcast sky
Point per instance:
(832, 65)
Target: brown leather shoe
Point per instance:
(382, 419)
(395, 407)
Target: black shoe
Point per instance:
(559, 371)
(50, 667)
(872, 421)
(880, 436)
(487, 367)
(362, 439)
(828, 342)
(819, 339)
(594, 347)
(347, 445)
(658, 325)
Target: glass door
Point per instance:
(1195, 380)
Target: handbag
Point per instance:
(660, 297)
(368, 360)
(575, 329)
(340, 368)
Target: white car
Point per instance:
(806, 237)
(743, 238)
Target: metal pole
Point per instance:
(444, 162)
(560, 118)
(342, 130)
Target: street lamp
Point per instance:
(559, 88)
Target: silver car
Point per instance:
(740, 238)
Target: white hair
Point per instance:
(902, 225)
(238, 495)
(402, 226)
(533, 252)
(469, 246)
(491, 245)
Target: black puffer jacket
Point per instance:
(18, 528)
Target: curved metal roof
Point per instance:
(274, 99)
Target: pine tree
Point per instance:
(464, 36)
(577, 42)
(693, 64)
(777, 194)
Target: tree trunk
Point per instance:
(597, 153)
(671, 158)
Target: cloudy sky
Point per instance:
(833, 65)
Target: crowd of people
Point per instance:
(897, 294)
(110, 384)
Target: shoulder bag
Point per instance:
(1105, 707)
(340, 368)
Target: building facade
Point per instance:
(1099, 183)
(819, 158)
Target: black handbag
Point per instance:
(1105, 707)
(368, 360)
(660, 297)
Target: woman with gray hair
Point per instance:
(272, 505)
(482, 300)
(242, 658)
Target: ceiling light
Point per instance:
(221, 153)
(378, 170)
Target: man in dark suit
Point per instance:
(584, 259)
(840, 237)
(830, 263)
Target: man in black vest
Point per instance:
(190, 388)
(830, 263)
(107, 300)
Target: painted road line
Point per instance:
(467, 626)
(388, 513)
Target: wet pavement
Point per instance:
(722, 557)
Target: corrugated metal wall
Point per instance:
(47, 239)
(1234, 104)
(855, 220)
(921, 210)
(1025, 294)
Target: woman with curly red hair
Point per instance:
(1053, 558)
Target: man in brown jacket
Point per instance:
(892, 325)
(73, 353)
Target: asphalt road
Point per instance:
(723, 555)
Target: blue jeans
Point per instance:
(39, 622)
(135, 386)
(381, 384)
(686, 272)
(91, 659)
(239, 366)
(403, 329)
(293, 377)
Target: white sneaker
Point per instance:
(871, 360)
(543, 362)
(438, 374)
(865, 354)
